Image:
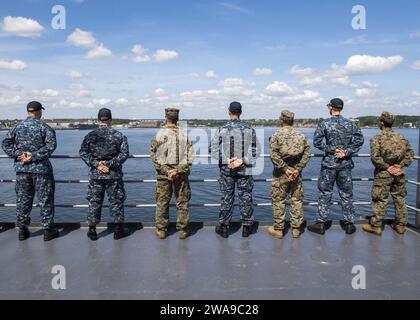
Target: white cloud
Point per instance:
(12, 64)
(141, 54)
(139, 50)
(237, 87)
(306, 96)
(22, 27)
(415, 93)
(83, 93)
(300, 72)
(101, 102)
(416, 65)
(235, 7)
(211, 74)
(80, 38)
(164, 55)
(364, 64)
(364, 92)
(278, 88)
(47, 93)
(159, 92)
(121, 102)
(311, 81)
(98, 51)
(74, 74)
(9, 101)
(262, 72)
(138, 59)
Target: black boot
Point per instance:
(222, 231)
(350, 228)
(318, 227)
(246, 231)
(120, 232)
(50, 234)
(23, 234)
(92, 235)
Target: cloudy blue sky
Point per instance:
(139, 56)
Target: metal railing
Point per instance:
(139, 156)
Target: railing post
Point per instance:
(418, 187)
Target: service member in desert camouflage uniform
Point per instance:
(289, 152)
(105, 150)
(390, 153)
(172, 155)
(31, 143)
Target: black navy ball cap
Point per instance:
(34, 106)
(235, 107)
(336, 103)
(104, 114)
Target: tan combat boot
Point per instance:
(161, 234)
(371, 229)
(184, 234)
(398, 228)
(275, 233)
(295, 233)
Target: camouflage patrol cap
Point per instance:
(287, 115)
(172, 113)
(387, 118)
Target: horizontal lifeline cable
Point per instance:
(146, 156)
(199, 181)
(195, 205)
(190, 180)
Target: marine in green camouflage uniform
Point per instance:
(289, 152)
(390, 153)
(172, 155)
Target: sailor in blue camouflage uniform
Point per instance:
(105, 150)
(339, 139)
(31, 143)
(236, 148)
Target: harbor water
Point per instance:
(139, 139)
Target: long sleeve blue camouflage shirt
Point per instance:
(105, 144)
(235, 139)
(334, 133)
(35, 136)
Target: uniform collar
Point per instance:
(387, 130)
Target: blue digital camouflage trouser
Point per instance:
(245, 184)
(327, 179)
(116, 196)
(27, 184)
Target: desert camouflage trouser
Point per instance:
(281, 189)
(383, 185)
(26, 186)
(116, 195)
(164, 190)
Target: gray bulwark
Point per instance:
(206, 266)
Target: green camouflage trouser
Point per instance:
(164, 190)
(383, 185)
(281, 188)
